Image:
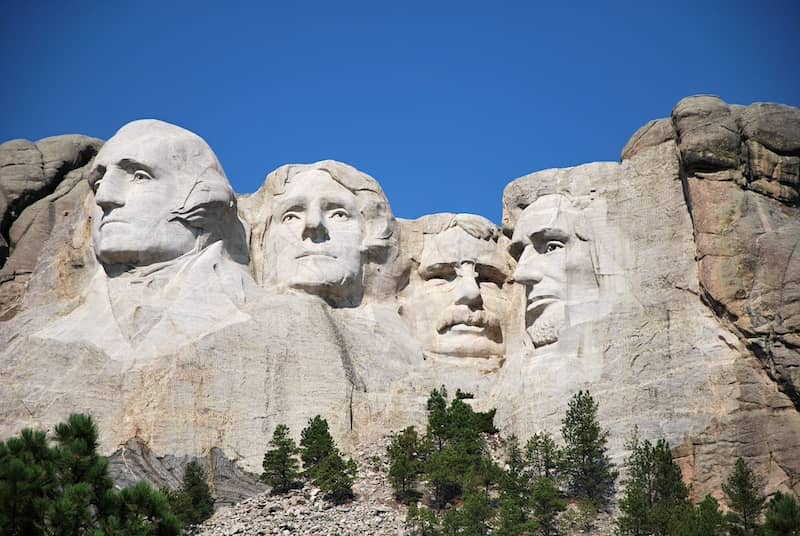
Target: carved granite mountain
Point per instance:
(190, 322)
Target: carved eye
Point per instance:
(340, 214)
(141, 175)
(290, 217)
(553, 245)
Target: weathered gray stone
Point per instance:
(707, 133)
(667, 284)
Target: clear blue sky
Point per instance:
(443, 102)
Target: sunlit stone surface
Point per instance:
(190, 322)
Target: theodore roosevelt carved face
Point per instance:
(324, 220)
(550, 251)
(160, 193)
(457, 303)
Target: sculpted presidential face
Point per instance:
(160, 193)
(458, 303)
(549, 252)
(316, 235)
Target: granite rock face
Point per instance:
(190, 321)
(40, 185)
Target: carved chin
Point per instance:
(544, 327)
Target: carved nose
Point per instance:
(527, 271)
(468, 292)
(314, 228)
(109, 194)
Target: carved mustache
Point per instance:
(464, 315)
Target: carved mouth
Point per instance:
(541, 300)
(315, 254)
(106, 222)
(467, 321)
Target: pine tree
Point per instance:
(783, 516)
(334, 476)
(316, 443)
(655, 500)
(280, 465)
(438, 427)
(589, 470)
(65, 490)
(543, 457)
(546, 504)
(405, 463)
(745, 500)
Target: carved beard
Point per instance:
(544, 326)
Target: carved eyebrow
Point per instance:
(131, 166)
(437, 269)
(549, 233)
(492, 273)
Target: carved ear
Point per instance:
(379, 222)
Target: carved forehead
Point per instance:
(552, 211)
(160, 146)
(455, 245)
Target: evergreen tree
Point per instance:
(745, 500)
(65, 490)
(782, 516)
(514, 503)
(27, 483)
(546, 504)
(316, 444)
(334, 476)
(139, 511)
(438, 427)
(472, 519)
(421, 521)
(655, 500)
(280, 465)
(588, 468)
(193, 502)
(543, 457)
(405, 463)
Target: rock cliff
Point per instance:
(136, 286)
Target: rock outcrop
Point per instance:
(667, 284)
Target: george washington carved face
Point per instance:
(160, 193)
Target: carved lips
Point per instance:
(461, 317)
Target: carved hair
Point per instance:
(370, 199)
(475, 226)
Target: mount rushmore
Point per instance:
(190, 321)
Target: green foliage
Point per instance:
(316, 444)
(458, 454)
(655, 500)
(334, 476)
(140, 511)
(783, 516)
(546, 504)
(705, 520)
(421, 521)
(65, 490)
(543, 458)
(192, 503)
(437, 417)
(280, 465)
(472, 519)
(589, 471)
(405, 463)
(745, 500)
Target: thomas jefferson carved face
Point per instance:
(316, 234)
(137, 185)
(548, 251)
(457, 303)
